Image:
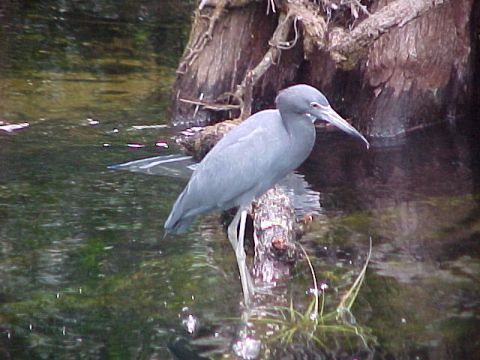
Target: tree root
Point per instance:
(243, 93)
(271, 57)
(192, 51)
(345, 47)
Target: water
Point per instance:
(84, 266)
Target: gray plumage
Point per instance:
(255, 155)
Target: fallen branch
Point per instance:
(273, 224)
(210, 106)
(199, 143)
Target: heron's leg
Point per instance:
(247, 282)
(237, 244)
(232, 229)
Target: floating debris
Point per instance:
(147, 127)
(92, 121)
(8, 127)
(192, 131)
(135, 145)
(162, 144)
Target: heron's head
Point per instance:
(305, 100)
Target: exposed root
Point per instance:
(278, 40)
(199, 44)
(243, 93)
(210, 106)
(345, 47)
(313, 24)
(287, 45)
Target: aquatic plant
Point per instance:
(330, 331)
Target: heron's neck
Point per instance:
(301, 132)
(297, 124)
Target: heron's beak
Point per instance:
(329, 115)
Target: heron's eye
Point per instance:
(315, 105)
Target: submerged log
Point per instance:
(274, 234)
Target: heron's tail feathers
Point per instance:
(179, 218)
(176, 225)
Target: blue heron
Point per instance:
(252, 158)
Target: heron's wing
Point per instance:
(245, 160)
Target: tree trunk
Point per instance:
(392, 66)
(417, 74)
(213, 67)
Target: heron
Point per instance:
(250, 159)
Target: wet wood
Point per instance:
(274, 233)
(198, 142)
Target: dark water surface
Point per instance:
(85, 270)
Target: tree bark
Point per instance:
(239, 41)
(401, 64)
